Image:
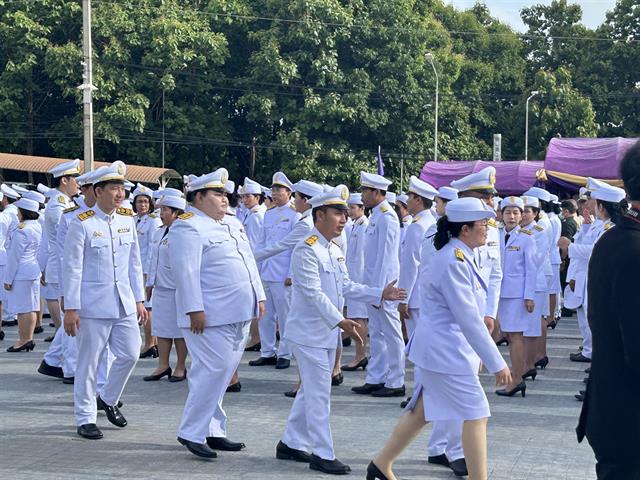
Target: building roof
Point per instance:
(135, 173)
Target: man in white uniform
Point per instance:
(270, 251)
(104, 298)
(385, 372)
(320, 282)
(11, 222)
(251, 193)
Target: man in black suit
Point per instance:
(610, 417)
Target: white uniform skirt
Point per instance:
(554, 283)
(24, 296)
(449, 397)
(165, 316)
(541, 301)
(513, 315)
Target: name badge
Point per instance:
(98, 234)
(513, 248)
(492, 244)
(124, 230)
(165, 242)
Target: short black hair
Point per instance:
(107, 182)
(58, 180)
(569, 205)
(28, 214)
(191, 196)
(322, 208)
(630, 172)
(304, 195)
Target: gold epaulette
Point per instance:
(384, 209)
(528, 232)
(71, 209)
(492, 223)
(62, 199)
(459, 255)
(607, 226)
(185, 215)
(539, 228)
(415, 219)
(124, 211)
(311, 240)
(84, 215)
(21, 225)
(153, 215)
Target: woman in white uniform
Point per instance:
(147, 223)
(449, 343)
(161, 290)
(22, 273)
(517, 292)
(555, 288)
(357, 311)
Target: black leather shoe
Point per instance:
(68, 380)
(389, 392)
(152, 352)
(38, 330)
(100, 404)
(1, 334)
(337, 380)
(198, 449)
(114, 415)
(404, 403)
(235, 387)
(439, 460)
(291, 393)
(346, 342)
(25, 347)
(284, 452)
(579, 397)
(262, 361)
(52, 325)
(222, 443)
(90, 431)
(579, 357)
(332, 467)
(282, 363)
(361, 364)
(46, 369)
(176, 379)
(585, 380)
(158, 376)
(253, 348)
(49, 339)
(367, 388)
(502, 341)
(459, 467)
(9, 323)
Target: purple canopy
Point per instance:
(512, 178)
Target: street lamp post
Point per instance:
(526, 126)
(429, 57)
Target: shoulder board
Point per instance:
(124, 211)
(528, 232)
(71, 209)
(539, 228)
(384, 209)
(61, 199)
(415, 219)
(607, 226)
(153, 215)
(292, 207)
(88, 214)
(311, 240)
(21, 225)
(185, 215)
(492, 223)
(459, 255)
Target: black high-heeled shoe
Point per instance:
(361, 364)
(521, 387)
(374, 473)
(26, 347)
(152, 352)
(530, 373)
(337, 380)
(254, 348)
(502, 341)
(542, 363)
(1, 334)
(158, 376)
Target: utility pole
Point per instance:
(252, 165)
(87, 86)
(163, 128)
(526, 125)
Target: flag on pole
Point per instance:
(380, 164)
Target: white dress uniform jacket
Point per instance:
(355, 263)
(22, 261)
(276, 259)
(519, 267)
(146, 226)
(57, 204)
(382, 238)
(488, 260)
(108, 280)
(253, 221)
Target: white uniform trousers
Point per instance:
(446, 438)
(53, 356)
(277, 310)
(386, 364)
(215, 355)
(410, 322)
(308, 426)
(106, 360)
(585, 330)
(63, 352)
(123, 338)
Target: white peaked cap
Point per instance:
(9, 192)
(66, 168)
(35, 196)
(402, 198)
(250, 187)
(111, 173)
(422, 188)
(609, 193)
(485, 179)
(281, 180)
(468, 210)
(512, 202)
(308, 188)
(43, 189)
(593, 184)
(391, 197)
(217, 179)
(172, 201)
(141, 190)
(539, 193)
(355, 199)
(27, 204)
(448, 193)
(337, 198)
(266, 191)
(531, 201)
(230, 186)
(21, 190)
(373, 180)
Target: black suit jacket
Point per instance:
(610, 416)
(569, 227)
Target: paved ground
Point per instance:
(529, 439)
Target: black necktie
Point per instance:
(506, 238)
(165, 233)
